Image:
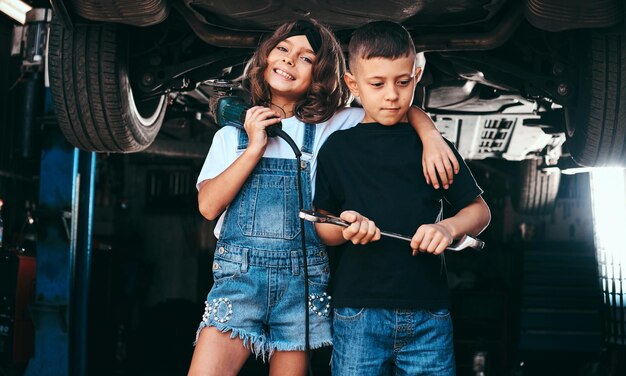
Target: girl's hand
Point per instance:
(439, 163)
(432, 238)
(361, 230)
(257, 119)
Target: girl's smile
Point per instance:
(284, 74)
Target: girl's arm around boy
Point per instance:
(438, 161)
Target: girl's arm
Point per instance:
(438, 161)
(216, 194)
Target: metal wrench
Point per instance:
(465, 242)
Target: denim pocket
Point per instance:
(268, 207)
(348, 314)
(224, 270)
(442, 313)
(319, 275)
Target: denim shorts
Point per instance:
(258, 296)
(378, 341)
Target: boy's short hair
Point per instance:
(384, 39)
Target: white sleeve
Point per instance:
(347, 117)
(344, 118)
(223, 153)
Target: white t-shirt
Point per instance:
(224, 152)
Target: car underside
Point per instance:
(538, 82)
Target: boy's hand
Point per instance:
(257, 119)
(432, 238)
(438, 160)
(361, 230)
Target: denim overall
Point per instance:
(258, 291)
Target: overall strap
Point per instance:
(307, 143)
(309, 139)
(243, 141)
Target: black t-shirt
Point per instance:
(377, 171)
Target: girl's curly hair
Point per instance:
(327, 92)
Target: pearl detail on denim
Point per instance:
(323, 309)
(214, 309)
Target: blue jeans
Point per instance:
(377, 341)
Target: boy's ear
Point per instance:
(418, 74)
(351, 83)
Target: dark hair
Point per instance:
(384, 39)
(327, 92)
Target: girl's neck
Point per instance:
(284, 109)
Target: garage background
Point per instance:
(530, 303)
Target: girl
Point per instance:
(256, 300)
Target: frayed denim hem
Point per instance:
(257, 344)
(284, 346)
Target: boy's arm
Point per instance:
(329, 234)
(437, 158)
(361, 230)
(471, 220)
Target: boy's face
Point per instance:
(290, 68)
(385, 87)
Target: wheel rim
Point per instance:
(148, 111)
(570, 125)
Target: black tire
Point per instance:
(93, 98)
(596, 126)
(535, 191)
(130, 12)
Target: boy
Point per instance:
(390, 298)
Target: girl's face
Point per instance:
(289, 69)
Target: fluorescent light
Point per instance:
(608, 198)
(15, 9)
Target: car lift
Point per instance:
(65, 214)
(67, 185)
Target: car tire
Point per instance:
(596, 125)
(535, 190)
(93, 98)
